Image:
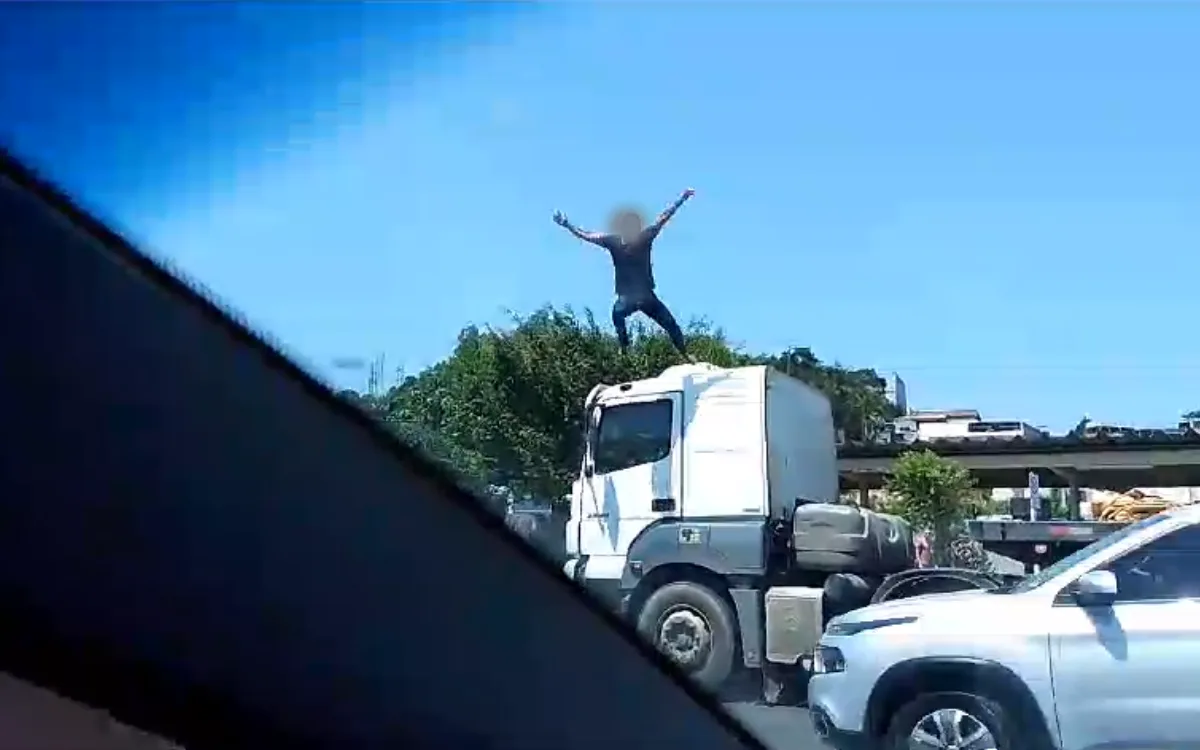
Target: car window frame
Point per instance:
(1063, 595)
(1148, 547)
(47, 642)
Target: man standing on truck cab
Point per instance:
(630, 243)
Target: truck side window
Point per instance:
(1167, 568)
(633, 434)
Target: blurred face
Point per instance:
(627, 224)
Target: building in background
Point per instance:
(963, 424)
(897, 392)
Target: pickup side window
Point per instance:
(1166, 569)
(633, 434)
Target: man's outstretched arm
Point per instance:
(596, 238)
(666, 215)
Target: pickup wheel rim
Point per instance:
(685, 636)
(950, 729)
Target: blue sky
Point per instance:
(998, 201)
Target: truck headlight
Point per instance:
(827, 660)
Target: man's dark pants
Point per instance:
(652, 307)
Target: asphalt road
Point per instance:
(779, 727)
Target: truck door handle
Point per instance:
(597, 515)
(662, 505)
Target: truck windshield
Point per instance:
(1029, 583)
(633, 434)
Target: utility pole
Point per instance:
(375, 376)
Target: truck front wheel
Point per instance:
(694, 627)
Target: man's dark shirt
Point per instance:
(633, 274)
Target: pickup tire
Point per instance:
(694, 627)
(971, 714)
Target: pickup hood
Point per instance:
(922, 605)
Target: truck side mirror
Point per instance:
(591, 436)
(1095, 588)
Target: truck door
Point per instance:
(632, 477)
(1126, 674)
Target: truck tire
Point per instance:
(844, 592)
(969, 714)
(695, 628)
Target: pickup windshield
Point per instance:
(1029, 583)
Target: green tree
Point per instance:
(936, 495)
(858, 396)
(1059, 506)
(979, 502)
(507, 404)
(464, 464)
(1194, 414)
(512, 400)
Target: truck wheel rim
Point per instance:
(950, 729)
(685, 636)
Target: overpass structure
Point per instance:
(1149, 458)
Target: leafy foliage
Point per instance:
(860, 405)
(506, 407)
(509, 402)
(936, 495)
(1059, 504)
(980, 502)
(464, 464)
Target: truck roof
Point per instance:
(669, 379)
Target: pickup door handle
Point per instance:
(597, 515)
(662, 505)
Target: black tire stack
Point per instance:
(845, 539)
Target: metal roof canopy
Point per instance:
(1107, 465)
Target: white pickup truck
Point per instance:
(1100, 649)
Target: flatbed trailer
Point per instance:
(1039, 543)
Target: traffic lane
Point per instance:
(779, 727)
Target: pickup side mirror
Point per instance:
(1096, 588)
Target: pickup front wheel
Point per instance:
(694, 627)
(950, 721)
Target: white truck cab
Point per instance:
(723, 449)
(686, 487)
